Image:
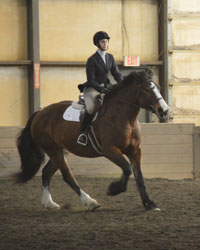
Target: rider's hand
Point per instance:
(105, 91)
(109, 86)
(102, 85)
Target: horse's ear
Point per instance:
(150, 72)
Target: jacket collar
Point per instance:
(101, 60)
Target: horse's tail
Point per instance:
(31, 155)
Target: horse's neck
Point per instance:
(128, 100)
(134, 111)
(123, 109)
(128, 94)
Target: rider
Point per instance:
(97, 68)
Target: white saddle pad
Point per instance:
(71, 114)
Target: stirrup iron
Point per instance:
(80, 142)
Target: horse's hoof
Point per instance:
(93, 206)
(116, 188)
(90, 203)
(52, 205)
(150, 205)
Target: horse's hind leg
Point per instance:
(47, 173)
(61, 163)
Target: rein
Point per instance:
(141, 89)
(124, 102)
(153, 88)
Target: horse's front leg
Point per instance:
(115, 155)
(135, 162)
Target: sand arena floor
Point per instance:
(120, 223)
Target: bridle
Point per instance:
(164, 108)
(153, 88)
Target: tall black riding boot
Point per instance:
(87, 118)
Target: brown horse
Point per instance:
(117, 131)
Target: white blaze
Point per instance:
(161, 101)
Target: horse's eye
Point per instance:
(147, 90)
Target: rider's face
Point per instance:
(104, 43)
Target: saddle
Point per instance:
(80, 104)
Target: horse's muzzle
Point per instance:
(161, 114)
(162, 110)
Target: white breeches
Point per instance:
(89, 96)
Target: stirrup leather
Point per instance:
(85, 138)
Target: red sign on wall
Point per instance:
(131, 61)
(36, 75)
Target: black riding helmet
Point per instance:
(99, 36)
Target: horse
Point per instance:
(116, 128)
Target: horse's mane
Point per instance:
(135, 77)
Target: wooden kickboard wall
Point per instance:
(168, 151)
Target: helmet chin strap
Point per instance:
(99, 46)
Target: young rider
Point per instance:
(97, 68)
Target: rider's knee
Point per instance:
(90, 109)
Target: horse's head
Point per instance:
(150, 97)
(140, 90)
